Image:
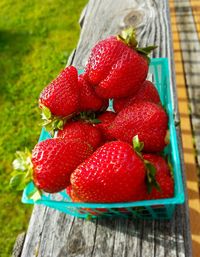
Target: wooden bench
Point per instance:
(54, 234)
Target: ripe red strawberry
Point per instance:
(145, 119)
(76, 199)
(112, 174)
(72, 195)
(106, 119)
(120, 103)
(84, 131)
(60, 99)
(147, 92)
(55, 159)
(163, 177)
(116, 66)
(89, 101)
(51, 164)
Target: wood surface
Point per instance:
(186, 45)
(54, 234)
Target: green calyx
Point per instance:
(89, 117)
(89, 217)
(170, 168)
(150, 169)
(51, 122)
(22, 173)
(128, 36)
(138, 146)
(150, 178)
(22, 170)
(167, 138)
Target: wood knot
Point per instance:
(75, 245)
(133, 18)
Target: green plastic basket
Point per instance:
(149, 209)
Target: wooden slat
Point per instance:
(196, 91)
(195, 4)
(52, 233)
(179, 24)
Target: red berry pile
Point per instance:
(102, 156)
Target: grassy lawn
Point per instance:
(36, 38)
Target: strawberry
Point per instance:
(116, 66)
(120, 103)
(113, 173)
(81, 130)
(69, 190)
(145, 119)
(163, 177)
(105, 120)
(60, 99)
(51, 163)
(89, 101)
(147, 92)
(76, 199)
(72, 195)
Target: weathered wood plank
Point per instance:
(17, 249)
(187, 43)
(71, 57)
(51, 233)
(82, 16)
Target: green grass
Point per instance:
(36, 38)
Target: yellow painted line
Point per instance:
(187, 139)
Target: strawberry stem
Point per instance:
(128, 37)
(89, 117)
(150, 168)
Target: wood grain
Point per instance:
(53, 234)
(187, 43)
(17, 249)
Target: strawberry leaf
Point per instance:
(96, 121)
(46, 113)
(53, 123)
(137, 145)
(16, 180)
(22, 173)
(48, 127)
(60, 124)
(150, 178)
(89, 117)
(146, 50)
(19, 181)
(170, 167)
(89, 217)
(128, 36)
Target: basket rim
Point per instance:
(156, 202)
